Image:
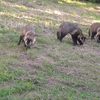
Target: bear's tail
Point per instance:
(59, 34)
(89, 32)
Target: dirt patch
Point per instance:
(29, 63)
(68, 70)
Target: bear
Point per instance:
(27, 36)
(98, 35)
(93, 30)
(73, 30)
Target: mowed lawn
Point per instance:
(50, 70)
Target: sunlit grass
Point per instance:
(92, 16)
(76, 3)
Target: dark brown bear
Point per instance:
(93, 30)
(73, 29)
(27, 35)
(98, 35)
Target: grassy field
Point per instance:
(50, 70)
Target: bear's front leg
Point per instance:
(20, 39)
(74, 40)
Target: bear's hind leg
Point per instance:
(93, 34)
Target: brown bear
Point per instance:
(27, 36)
(98, 35)
(93, 30)
(73, 29)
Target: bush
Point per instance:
(95, 1)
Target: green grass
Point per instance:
(20, 87)
(50, 69)
(9, 73)
(91, 15)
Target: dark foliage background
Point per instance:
(95, 1)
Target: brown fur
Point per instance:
(27, 35)
(73, 30)
(98, 35)
(93, 30)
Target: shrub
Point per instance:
(96, 1)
